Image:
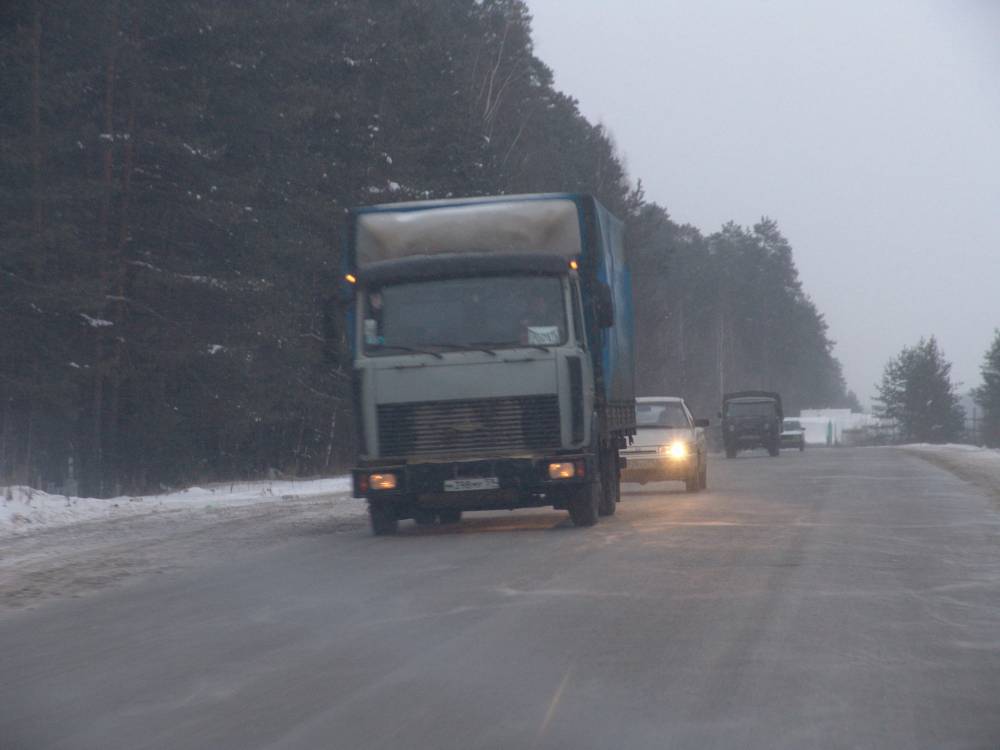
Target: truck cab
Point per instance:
(751, 419)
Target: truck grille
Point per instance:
(473, 427)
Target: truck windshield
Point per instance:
(496, 312)
(666, 415)
(750, 409)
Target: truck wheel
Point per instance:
(730, 452)
(610, 485)
(693, 482)
(383, 517)
(802, 446)
(608, 505)
(450, 515)
(774, 449)
(583, 505)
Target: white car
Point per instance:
(669, 444)
(793, 434)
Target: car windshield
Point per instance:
(750, 409)
(792, 424)
(669, 414)
(498, 311)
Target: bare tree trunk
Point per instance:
(331, 439)
(29, 446)
(36, 123)
(37, 214)
(108, 139)
(4, 441)
(681, 345)
(298, 447)
(722, 354)
(120, 310)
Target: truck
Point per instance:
(492, 350)
(751, 419)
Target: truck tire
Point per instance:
(730, 452)
(693, 482)
(449, 515)
(584, 504)
(774, 449)
(383, 517)
(802, 446)
(609, 484)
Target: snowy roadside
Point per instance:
(981, 466)
(25, 510)
(52, 546)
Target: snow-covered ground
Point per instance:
(23, 509)
(970, 462)
(973, 453)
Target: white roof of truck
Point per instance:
(548, 224)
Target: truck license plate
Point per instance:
(471, 484)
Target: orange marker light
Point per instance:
(351, 278)
(574, 265)
(382, 481)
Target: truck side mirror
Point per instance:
(701, 423)
(604, 306)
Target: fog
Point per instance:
(869, 131)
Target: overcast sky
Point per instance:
(869, 129)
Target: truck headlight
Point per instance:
(382, 481)
(564, 470)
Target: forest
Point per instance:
(175, 178)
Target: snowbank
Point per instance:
(986, 456)
(24, 509)
(978, 465)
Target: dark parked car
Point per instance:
(793, 434)
(751, 419)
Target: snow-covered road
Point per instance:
(832, 598)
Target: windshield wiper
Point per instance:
(406, 349)
(481, 346)
(473, 346)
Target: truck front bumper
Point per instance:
(518, 481)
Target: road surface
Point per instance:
(830, 599)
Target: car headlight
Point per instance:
(676, 450)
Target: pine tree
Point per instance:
(988, 394)
(917, 393)
(174, 182)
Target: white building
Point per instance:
(828, 425)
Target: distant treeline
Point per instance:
(173, 178)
